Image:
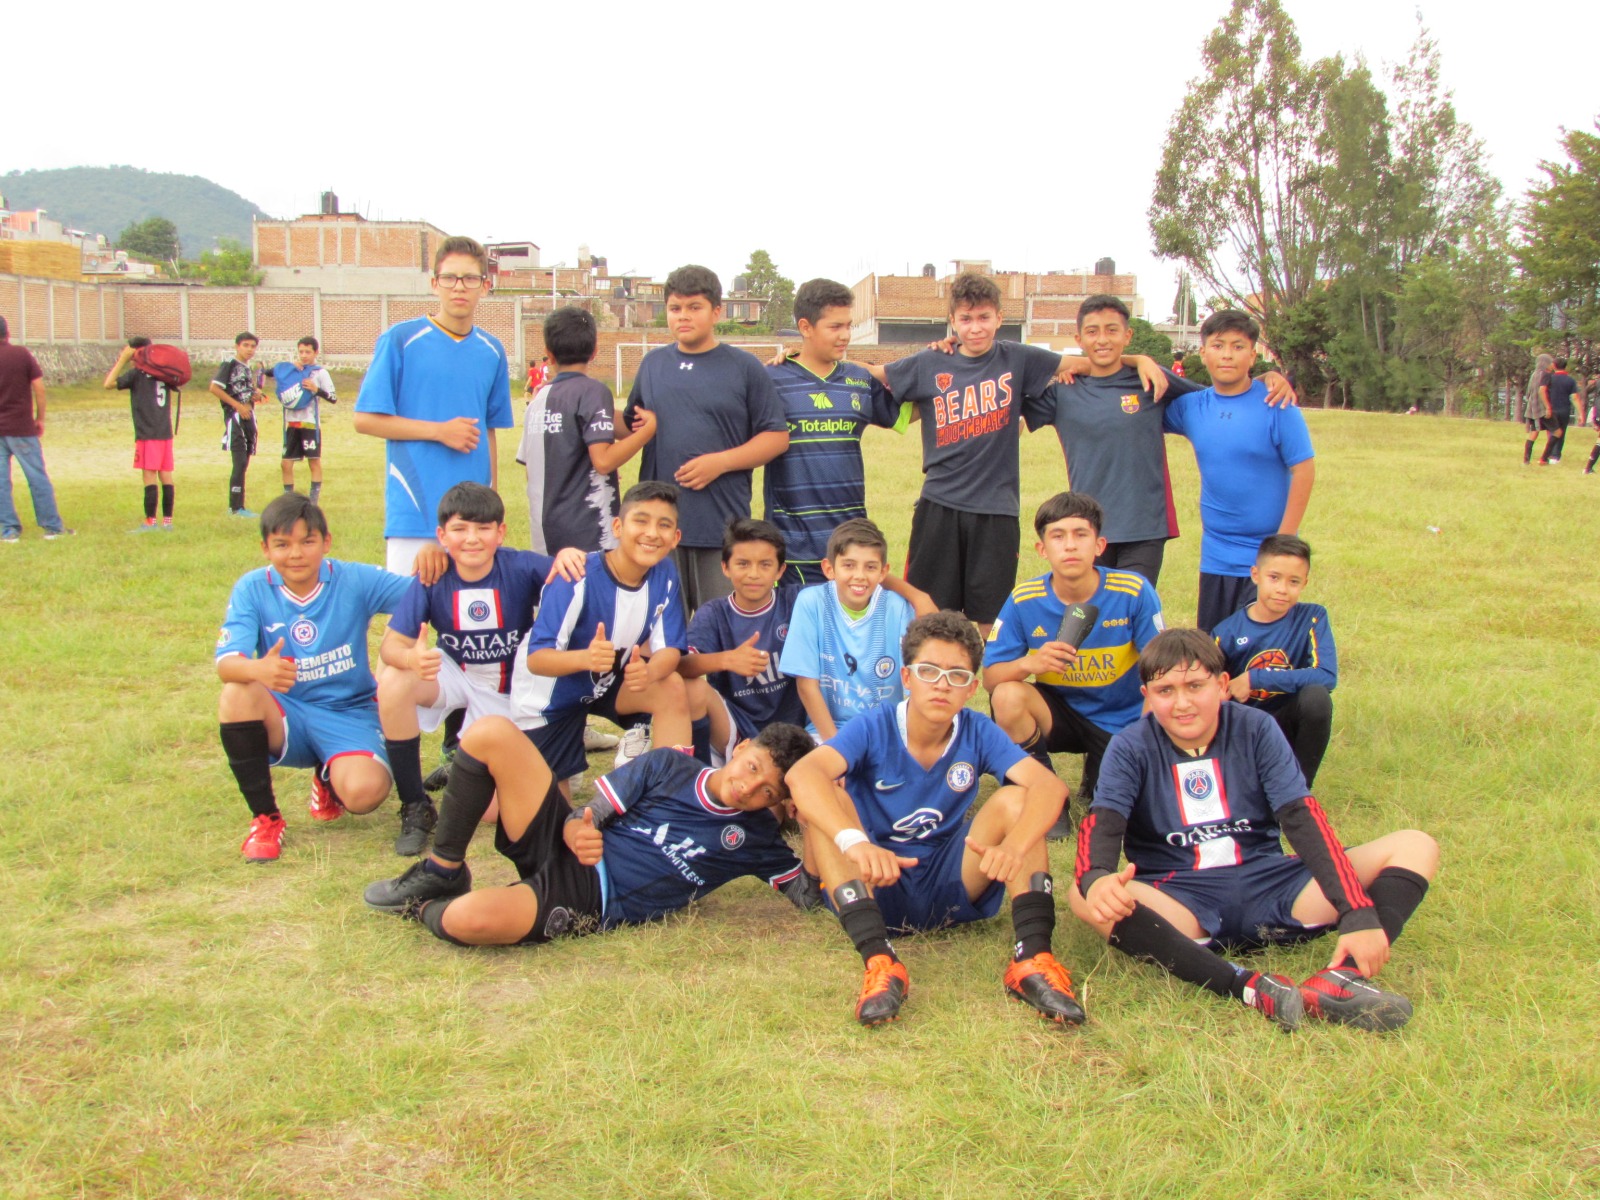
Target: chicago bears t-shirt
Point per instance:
(754, 701)
(971, 414)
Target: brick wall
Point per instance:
(153, 313)
(217, 314)
(350, 324)
(281, 315)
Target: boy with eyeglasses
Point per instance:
(436, 391)
(885, 805)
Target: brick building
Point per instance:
(345, 252)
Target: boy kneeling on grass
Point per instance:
(1197, 792)
(662, 831)
(892, 845)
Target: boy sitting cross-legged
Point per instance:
(1280, 652)
(296, 687)
(663, 831)
(481, 609)
(1197, 793)
(892, 846)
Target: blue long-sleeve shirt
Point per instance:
(1282, 656)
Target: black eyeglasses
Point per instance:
(450, 282)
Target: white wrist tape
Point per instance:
(846, 838)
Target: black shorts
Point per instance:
(569, 895)
(1072, 733)
(700, 576)
(238, 433)
(1221, 596)
(560, 741)
(965, 561)
(1142, 558)
(299, 442)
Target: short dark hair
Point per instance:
(1180, 648)
(1104, 303)
(974, 291)
(646, 490)
(571, 335)
(472, 502)
(817, 295)
(138, 342)
(943, 626)
(461, 245)
(787, 744)
(693, 280)
(1068, 504)
(748, 529)
(1285, 544)
(1561, 364)
(857, 531)
(246, 336)
(1230, 320)
(308, 340)
(281, 513)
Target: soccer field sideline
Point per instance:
(180, 1024)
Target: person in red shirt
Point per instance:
(22, 404)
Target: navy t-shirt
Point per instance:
(970, 420)
(569, 502)
(704, 403)
(1110, 431)
(754, 701)
(1562, 388)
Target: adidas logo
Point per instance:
(1038, 631)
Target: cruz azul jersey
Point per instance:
(820, 481)
(856, 662)
(1103, 687)
(481, 624)
(754, 701)
(1194, 812)
(325, 632)
(648, 615)
(670, 842)
(421, 371)
(1282, 656)
(904, 806)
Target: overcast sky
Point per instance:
(842, 138)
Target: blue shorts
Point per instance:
(1245, 906)
(313, 735)
(560, 740)
(931, 894)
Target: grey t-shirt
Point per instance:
(1110, 431)
(970, 422)
(704, 403)
(569, 502)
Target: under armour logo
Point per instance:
(685, 366)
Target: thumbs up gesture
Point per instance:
(744, 659)
(276, 671)
(602, 654)
(636, 671)
(582, 838)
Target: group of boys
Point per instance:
(671, 606)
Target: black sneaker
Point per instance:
(416, 823)
(1345, 996)
(440, 775)
(414, 888)
(1275, 997)
(1062, 830)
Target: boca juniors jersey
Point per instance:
(1282, 656)
(325, 632)
(855, 661)
(754, 701)
(650, 614)
(1195, 812)
(480, 624)
(903, 805)
(1103, 686)
(671, 842)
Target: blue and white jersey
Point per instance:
(1189, 812)
(648, 615)
(904, 806)
(481, 625)
(856, 662)
(668, 841)
(1103, 685)
(754, 701)
(1282, 656)
(421, 371)
(325, 633)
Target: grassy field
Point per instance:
(177, 1024)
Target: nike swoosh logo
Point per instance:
(275, 628)
(888, 787)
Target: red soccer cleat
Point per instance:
(1044, 984)
(324, 805)
(883, 991)
(265, 841)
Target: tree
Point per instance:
(1560, 250)
(155, 239)
(229, 265)
(1147, 340)
(765, 281)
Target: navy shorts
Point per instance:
(301, 442)
(569, 895)
(1247, 906)
(931, 894)
(965, 561)
(560, 739)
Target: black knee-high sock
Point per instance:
(1396, 893)
(1594, 456)
(700, 736)
(1527, 450)
(405, 760)
(862, 920)
(1147, 936)
(150, 502)
(249, 756)
(167, 491)
(452, 729)
(433, 918)
(466, 799)
(1033, 917)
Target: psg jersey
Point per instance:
(754, 701)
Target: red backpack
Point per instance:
(169, 364)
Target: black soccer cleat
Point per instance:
(415, 888)
(1042, 983)
(416, 823)
(1345, 996)
(439, 776)
(883, 991)
(1277, 998)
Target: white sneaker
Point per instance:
(596, 739)
(635, 741)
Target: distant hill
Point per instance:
(109, 199)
